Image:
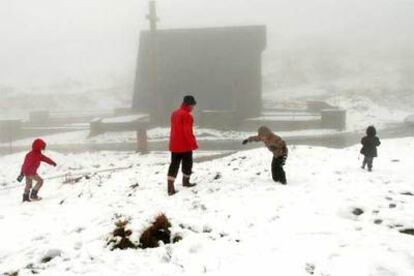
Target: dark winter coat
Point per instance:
(182, 138)
(370, 143)
(32, 160)
(273, 142)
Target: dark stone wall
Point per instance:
(10, 130)
(221, 67)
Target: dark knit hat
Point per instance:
(189, 100)
(371, 131)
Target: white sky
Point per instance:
(95, 42)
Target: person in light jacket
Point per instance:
(278, 147)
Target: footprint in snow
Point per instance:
(274, 218)
(39, 238)
(357, 211)
(50, 255)
(310, 268)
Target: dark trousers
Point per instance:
(278, 173)
(368, 161)
(187, 163)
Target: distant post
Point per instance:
(142, 140)
(153, 19)
(11, 130)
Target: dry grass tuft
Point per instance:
(158, 231)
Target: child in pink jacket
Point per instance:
(29, 170)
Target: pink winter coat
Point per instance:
(33, 159)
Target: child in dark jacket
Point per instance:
(369, 147)
(29, 170)
(277, 146)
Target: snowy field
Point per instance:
(157, 135)
(235, 222)
(361, 110)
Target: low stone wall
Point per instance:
(318, 106)
(333, 118)
(39, 117)
(10, 130)
(98, 127)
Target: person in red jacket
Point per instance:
(29, 170)
(182, 143)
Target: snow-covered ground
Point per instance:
(235, 222)
(156, 135)
(361, 110)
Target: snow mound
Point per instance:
(362, 112)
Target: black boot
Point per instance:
(186, 182)
(34, 197)
(26, 198)
(170, 188)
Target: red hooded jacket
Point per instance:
(33, 159)
(181, 136)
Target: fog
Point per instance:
(89, 47)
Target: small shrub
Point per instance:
(120, 238)
(158, 231)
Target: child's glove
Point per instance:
(245, 141)
(20, 178)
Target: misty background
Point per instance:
(81, 54)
